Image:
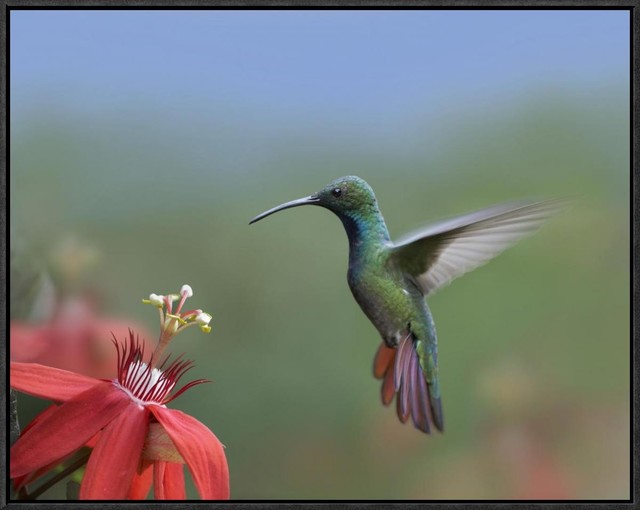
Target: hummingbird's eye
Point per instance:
(336, 192)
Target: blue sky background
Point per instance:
(379, 67)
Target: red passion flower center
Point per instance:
(144, 383)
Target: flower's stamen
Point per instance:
(186, 292)
(168, 301)
(160, 310)
(157, 300)
(171, 323)
(190, 314)
(203, 319)
(177, 318)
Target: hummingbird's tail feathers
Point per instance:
(402, 375)
(388, 389)
(383, 369)
(415, 389)
(384, 356)
(402, 368)
(436, 412)
(403, 360)
(403, 414)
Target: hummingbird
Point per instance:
(391, 281)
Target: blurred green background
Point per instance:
(153, 138)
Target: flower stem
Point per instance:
(74, 466)
(14, 427)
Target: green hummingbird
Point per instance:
(390, 281)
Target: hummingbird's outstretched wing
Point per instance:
(401, 373)
(441, 252)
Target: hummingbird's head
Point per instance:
(345, 196)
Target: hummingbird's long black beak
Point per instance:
(294, 203)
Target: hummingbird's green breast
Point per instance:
(383, 293)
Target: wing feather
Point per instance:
(444, 251)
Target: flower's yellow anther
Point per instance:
(203, 318)
(206, 329)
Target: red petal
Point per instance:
(48, 382)
(91, 443)
(114, 460)
(168, 480)
(33, 476)
(141, 481)
(30, 477)
(66, 429)
(200, 449)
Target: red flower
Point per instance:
(139, 439)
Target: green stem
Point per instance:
(74, 466)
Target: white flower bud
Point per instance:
(186, 289)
